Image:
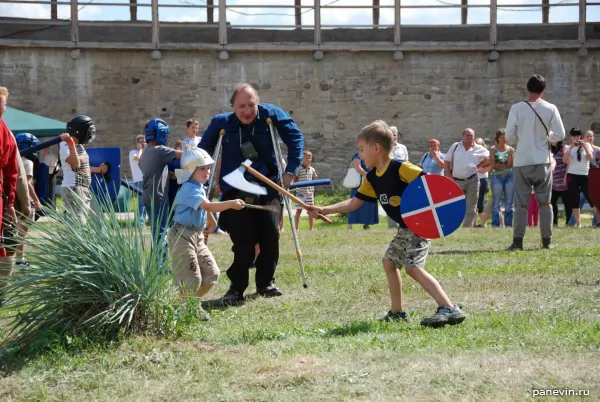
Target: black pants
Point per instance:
(564, 195)
(577, 183)
(246, 228)
(484, 188)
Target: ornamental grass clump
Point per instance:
(99, 278)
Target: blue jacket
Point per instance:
(237, 133)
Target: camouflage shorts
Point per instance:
(407, 249)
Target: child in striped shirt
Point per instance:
(307, 194)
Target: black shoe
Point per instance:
(444, 315)
(269, 291)
(546, 243)
(399, 316)
(517, 244)
(232, 297)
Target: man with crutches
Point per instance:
(245, 134)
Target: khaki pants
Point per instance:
(193, 263)
(471, 189)
(77, 200)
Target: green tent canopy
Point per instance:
(24, 122)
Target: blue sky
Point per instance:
(265, 17)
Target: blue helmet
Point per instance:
(26, 140)
(157, 130)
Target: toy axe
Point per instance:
(236, 179)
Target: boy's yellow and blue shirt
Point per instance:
(388, 186)
(186, 208)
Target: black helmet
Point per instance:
(82, 127)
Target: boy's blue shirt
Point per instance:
(186, 208)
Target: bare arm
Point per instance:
(438, 161)
(492, 159)
(138, 155)
(511, 156)
(222, 206)
(73, 159)
(103, 168)
(447, 170)
(345, 206)
(33, 195)
(589, 154)
(358, 168)
(567, 156)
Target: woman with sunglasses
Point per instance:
(578, 157)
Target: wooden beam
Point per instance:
(582, 21)
(298, 12)
(375, 14)
(74, 21)
(53, 10)
(493, 22)
(133, 10)
(210, 11)
(279, 47)
(397, 20)
(155, 20)
(464, 12)
(222, 22)
(545, 11)
(317, 22)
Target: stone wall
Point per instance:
(425, 95)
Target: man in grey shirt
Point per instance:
(532, 124)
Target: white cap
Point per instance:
(190, 160)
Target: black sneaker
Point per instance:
(269, 291)
(399, 316)
(22, 263)
(444, 315)
(232, 297)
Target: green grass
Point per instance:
(533, 323)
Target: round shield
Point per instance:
(433, 206)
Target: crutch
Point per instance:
(286, 200)
(211, 179)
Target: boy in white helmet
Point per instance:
(194, 267)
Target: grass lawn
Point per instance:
(533, 323)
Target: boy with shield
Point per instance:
(194, 267)
(387, 181)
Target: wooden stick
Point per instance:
(281, 190)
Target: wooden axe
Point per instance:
(280, 189)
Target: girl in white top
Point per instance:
(578, 157)
(483, 208)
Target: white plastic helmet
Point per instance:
(190, 160)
